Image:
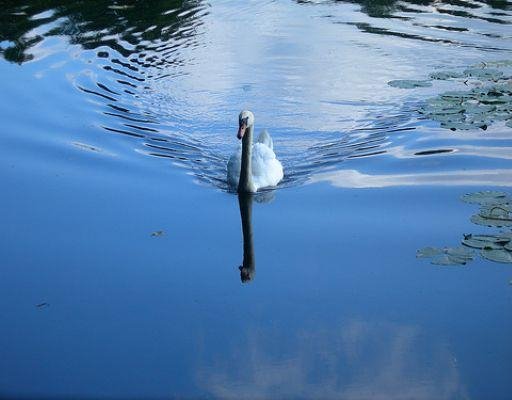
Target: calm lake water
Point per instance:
(120, 244)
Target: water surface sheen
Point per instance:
(121, 244)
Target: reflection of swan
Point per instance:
(247, 269)
(253, 166)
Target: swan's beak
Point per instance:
(241, 130)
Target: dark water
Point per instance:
(120, 245)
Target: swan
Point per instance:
(253, 166)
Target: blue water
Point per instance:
(120, 245)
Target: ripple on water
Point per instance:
(173, 76)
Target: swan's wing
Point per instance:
(265, 138)
(266, 169)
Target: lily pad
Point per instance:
(479, 220)
(428, 252)
(501, 256)
(476, 108)
(507, 235)
(480, 244)
(445, 75)
(496, 211)
(458, 95)
(500, 63)
(500, 238)
(453, 126)
(486, 197)
(445, 259)
(460, 251)
(409, 84)
(446, 256)
(485, 73)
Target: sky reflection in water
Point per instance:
(102, 101)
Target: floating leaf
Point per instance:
(476, 108)
(480, 244)
(409, 84)
(485, 73)
(453, 126)
(458, 95)
(445, 259)
(486, 197)
(496, 211)
(446, 256)
(500, 63)
(445, 75)
(501, 238)
(479, 220)
(460, 252)
(501, 256)
(428, 252)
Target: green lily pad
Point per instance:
(460, 252)
(500, 63)
(500, 116)
(477, 108)
(479, 220)
(501, 256)
(445, 75)
(485, 73)
(454, 126)
(409, 84)
(500, 238)
(446, 256)
(445, 259)
(428, 252)
(486, 197)
(442, 109)
(458, 95)
(496, 211)
(481, 244)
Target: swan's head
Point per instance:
(245, 120)
(246, 273)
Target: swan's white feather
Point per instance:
(265, 138)
(266, 169)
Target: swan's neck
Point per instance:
(245, 184)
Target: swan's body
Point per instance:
(253, 166)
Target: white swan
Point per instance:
(253, 166)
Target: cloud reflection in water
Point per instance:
(358, 360)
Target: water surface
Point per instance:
(121, 244)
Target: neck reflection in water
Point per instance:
(247, 269)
